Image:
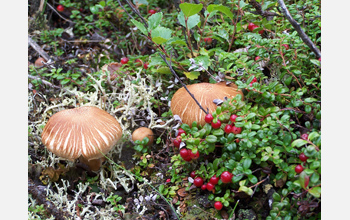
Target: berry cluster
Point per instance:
(226, 177)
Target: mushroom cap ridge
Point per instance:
(182, 103)
(78, 132)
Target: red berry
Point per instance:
(208, 40)
(145, 66)
(237, 140)
(184, 153)
(168, 180)
(180, 131)
(151, 11)
(319, 59)
(218, 205)
(303, 157)
(286, 46)
(188, 159)
(254, 80)
(256, 58)
(216, 125)
(214, 180)
(124, 60)
(138, 62)
(204, 187)
(208, 118)
(299, 168)
(304, 136)
(226, 177)
(210, 186)
(193, 174)
(177, 142)
(228, 129)
(198, 181)
(233, 118)
(194, 156)
(60, 8)
(252, 26)
(236, 130)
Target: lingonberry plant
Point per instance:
(262, 148)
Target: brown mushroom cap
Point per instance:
(183, 105)
(141, 133)
(38, 62)
(83, 131)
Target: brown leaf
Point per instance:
(182, 192)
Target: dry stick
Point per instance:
(134, 10)
(60, 14)
(297, 27)
(183, 84)
(38, 49)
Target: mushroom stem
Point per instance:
(94, 164)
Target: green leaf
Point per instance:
(211, 139)
(250, 115)
(192, 75)
(253, 179)
(276, 197)
(313, 135)
(309, 100)
(222, 33)
(154, 20)
(177, 41)
(218, 132)
(299, 142)
(225, 10)
(192, 21)
(189, 9)
(245, 189)
(316, 191)
(163, 70)
(140, 26)
(161, 35)
(304, 180)
(246, 163)
(65, 81)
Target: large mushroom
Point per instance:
(85, 132)
(183, 105)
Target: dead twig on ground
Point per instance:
(297, 27)
(38, 49)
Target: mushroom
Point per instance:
(141, 133)
(39, 62)
(85, 132)
(183, 105)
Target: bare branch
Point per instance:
(297, 27)
(38, 49)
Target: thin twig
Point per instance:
(178, 78)
(38, 49)
(60, 14)
(297, 27)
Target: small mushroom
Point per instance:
(39, 62)
(141, 133)
(183, 105)
(83, 133)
